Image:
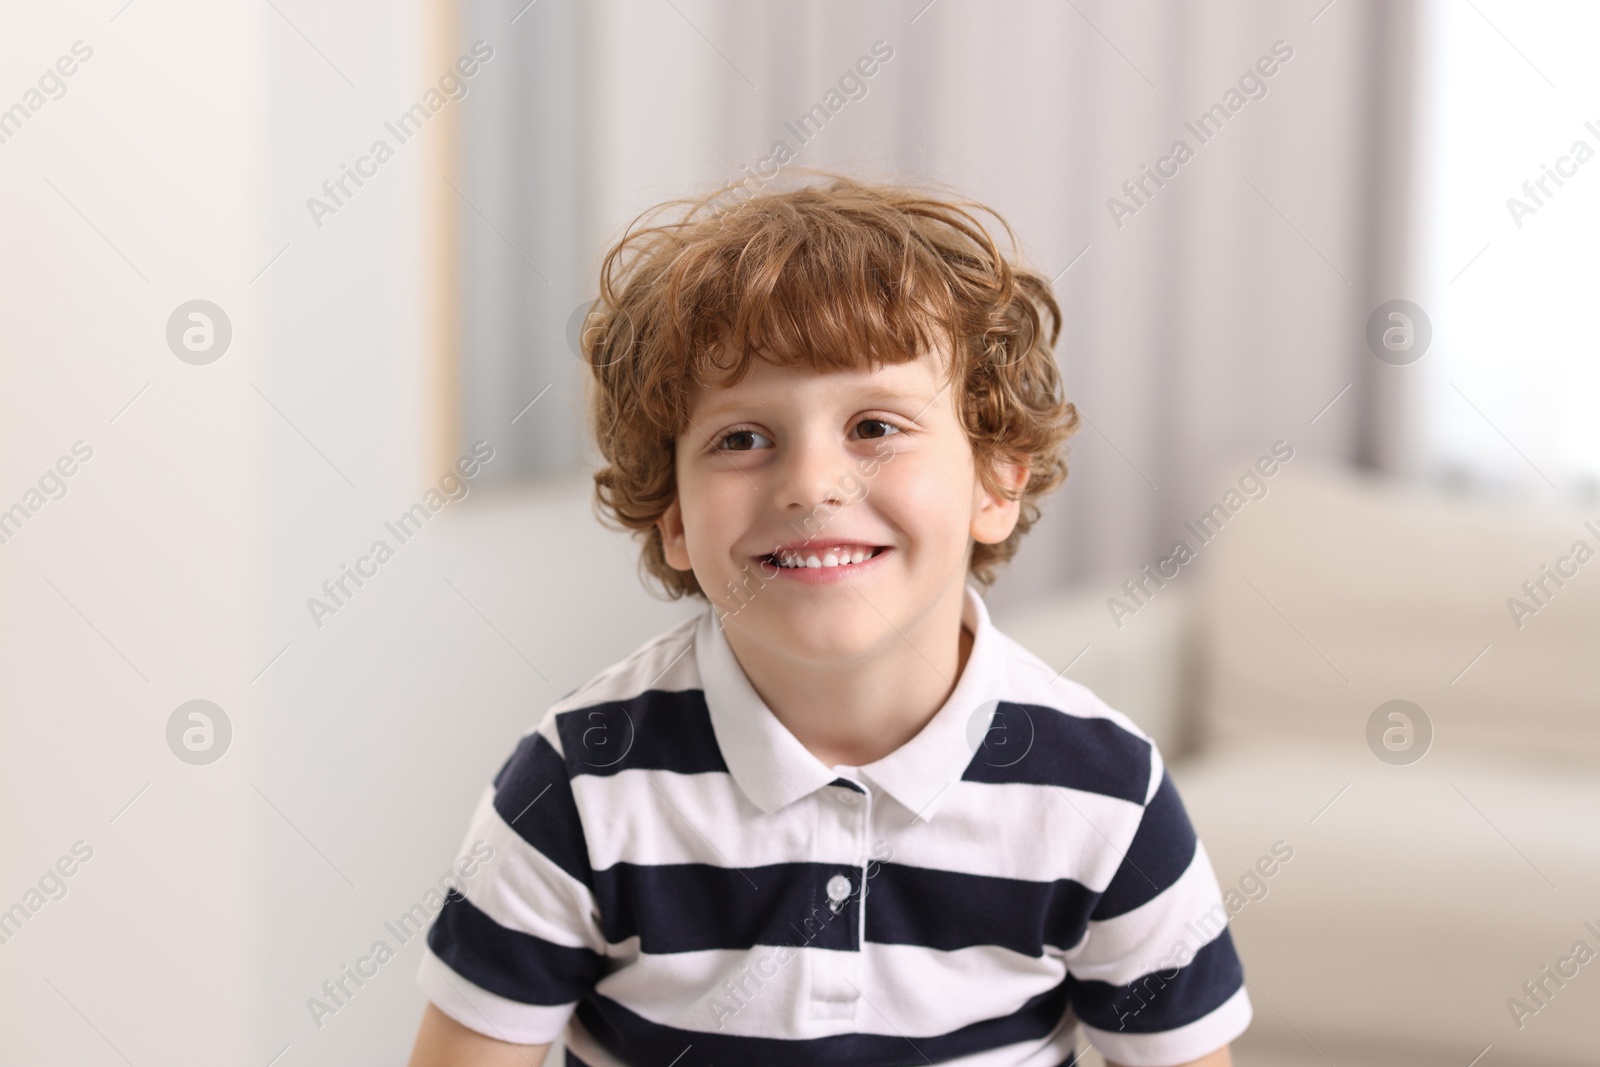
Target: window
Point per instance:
(1510, 208)
(520, 205)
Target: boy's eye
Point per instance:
(887, 428)
(740, 440)
(744, 440)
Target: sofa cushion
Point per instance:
(1336, 593)
(1415, 904)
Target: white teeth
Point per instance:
(834, 557)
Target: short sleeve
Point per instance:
(1156, 980)
(518, 943)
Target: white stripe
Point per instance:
(483, 1011)
(1158, 767)
(922, 991)
(522, 889)
(1204, 1035)
(1163, 933)
(1016, 830)
(657, 817)
(651, 817)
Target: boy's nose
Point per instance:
(812, 475)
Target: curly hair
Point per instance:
(841, 275)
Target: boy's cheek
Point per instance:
(883, 452)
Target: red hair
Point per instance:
(845, 275)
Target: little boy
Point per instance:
(837, 818)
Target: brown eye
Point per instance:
(739, 440)
(888, 428)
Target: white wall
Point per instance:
(134, 192)
(213, 507)
(387, 721)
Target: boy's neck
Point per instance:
(861, 712)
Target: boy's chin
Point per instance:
(825, 636)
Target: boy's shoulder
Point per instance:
(1083, 739)
(658, 676)
(662, 662)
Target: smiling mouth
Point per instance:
(815, 559)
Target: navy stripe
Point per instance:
(1165, 998)
(688, 907)
(534, 796)
(949, 910)
(1161, 850)
(634, 1039)
(510, 963)
(574, 1061)
(1036, 745)
(846, 783)
(655, 731)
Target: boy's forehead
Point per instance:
(916, 378)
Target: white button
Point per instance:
(838, 888)
(849, 797)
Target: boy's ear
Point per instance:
(673, 544)
(994, 516)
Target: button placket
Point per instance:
(835, 974)
(856, 883)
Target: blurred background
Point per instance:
(271, 269)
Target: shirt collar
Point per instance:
(774, 769)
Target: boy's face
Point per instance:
(798, 460)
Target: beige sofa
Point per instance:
(1421, 896)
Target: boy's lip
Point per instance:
(820, 546)
(826, 575)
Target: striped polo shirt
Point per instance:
(676, 880)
